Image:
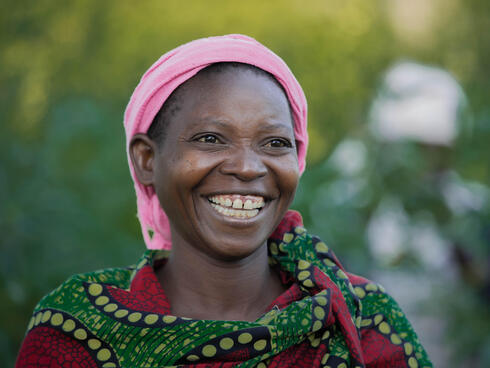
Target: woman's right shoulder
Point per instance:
(59, 322)
(77, 287)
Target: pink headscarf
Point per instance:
(173, 69)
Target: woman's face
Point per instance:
(227, 170)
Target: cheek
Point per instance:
(189, 169)
(288, 176)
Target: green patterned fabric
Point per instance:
(327, 317)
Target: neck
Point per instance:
(201, 287)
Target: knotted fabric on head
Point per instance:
(174, 68)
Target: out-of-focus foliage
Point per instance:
(67, 69)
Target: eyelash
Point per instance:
(283, 143)
(272, 143)
(203, 139)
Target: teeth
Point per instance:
(237, 201)
(235, 213)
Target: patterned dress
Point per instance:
(326, 318)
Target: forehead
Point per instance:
(247, 89)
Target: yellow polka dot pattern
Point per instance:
(109, 308)
(319, 312)
(217, 345)
(121, 313)
(312, 321)
(94, 344)
(102, 300)
(303, 265)
(46, 316)
(321, 247)
(287, 237)
(395, 339)
(169, 319)
(226, 343)
(377, 321)
(315, 342)
(151, 319)
(80, 334)
(359, 292)
(412, 362)
(371, 287)
(317, 325)
(303, 275)
(95, 289)
(103, 354)
(57, 319)
(260, 345)
(408, 348)
(308, 283)
(366, 322)
(69, 325)
(209, 351)
(134, 317)
(244, 338)
(341, 274)
(325, 358)
(384, 327)
(299, 230)
(321, 300)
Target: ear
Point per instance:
(142, 151)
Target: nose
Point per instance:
(245, 164)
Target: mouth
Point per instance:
(236, 205)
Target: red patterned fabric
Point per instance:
(291, 219)
(379, 352)
(325, 318)
(146, 293)
(47, 347)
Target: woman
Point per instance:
(216, 137)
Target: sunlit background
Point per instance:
(398, 169)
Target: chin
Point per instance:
(236, 251)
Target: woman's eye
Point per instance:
(278, 143)
(208, 138)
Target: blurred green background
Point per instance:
(413, 215)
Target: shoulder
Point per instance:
(57, 334)
(77, 287)
(386, 336)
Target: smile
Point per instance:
(236, 205)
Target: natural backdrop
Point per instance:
(68, 68)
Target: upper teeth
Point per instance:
(238, 201)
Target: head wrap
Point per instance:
(174, 68)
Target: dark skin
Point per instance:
(233, 135)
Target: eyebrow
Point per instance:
(271, 127)
(267, 126)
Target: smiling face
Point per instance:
(227, 170)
